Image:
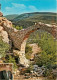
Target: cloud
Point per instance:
(19, 9)
(18, 5)
(8, 8)
(33, 8)
(15, 9)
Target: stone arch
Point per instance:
(20, 36)
(52, 29)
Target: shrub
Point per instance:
(28, 51)
(18, 27)
(48, 55)
(11, 60)
(4, 47)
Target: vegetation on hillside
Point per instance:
(48, 45)
(28, 19)
(18, 27)
(28, 51)
(47, 57)
(4, 48)
(11, 17)
(11, 59)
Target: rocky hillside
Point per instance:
(11, 17)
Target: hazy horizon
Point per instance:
(30, 12)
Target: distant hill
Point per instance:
(28, 15)
(11, 17)
(28, 19)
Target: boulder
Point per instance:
(4, 34)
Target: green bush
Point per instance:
(28, 51)
(48, 45)
(18, 27)
(45, 59)
(11, 60)
(4, 47)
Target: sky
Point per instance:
(27, 6)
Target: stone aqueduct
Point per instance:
(19, 37)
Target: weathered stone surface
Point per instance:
(1, 28)
(3, 32)
(22, 58)
(4, 35)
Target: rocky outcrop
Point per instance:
(4, 35)
(22, 58)
(3, 32)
